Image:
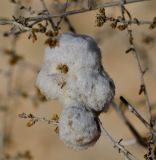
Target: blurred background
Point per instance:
(17, 81)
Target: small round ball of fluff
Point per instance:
(78, 128)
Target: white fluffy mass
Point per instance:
(78, 128)
(73, 73)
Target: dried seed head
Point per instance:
(78, 128)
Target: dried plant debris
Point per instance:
(18, 156)
(34, 119)
(40, 96)
(119, 22)
(39, 29)
(101, 17)
(52, 38)
(14, 58)
(153, 25)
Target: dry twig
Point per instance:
(117, 145)
(136, 134)
(137, 114)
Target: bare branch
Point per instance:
(48, 14)
(23, 24)
(33, 119)
(137, 114)
(142, 71)
(138, 137)
(117, 145)
(104, 5)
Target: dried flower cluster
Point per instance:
(73, 73)
(119, 22)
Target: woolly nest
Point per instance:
(73, 73)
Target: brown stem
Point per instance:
(104, 5)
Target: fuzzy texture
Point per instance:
(91, 88)
(78, 128)
(73, 73)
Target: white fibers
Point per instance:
(73, 73)
(78, 128)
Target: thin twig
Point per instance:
(135, 53)
(21, 28)
(23, 24)
(136, 134)
(24, 8)
(129, 142)
(137, 114)
(62, 17)
(50, 19)
(35, 119)
(143, 88)
(151, 151)
(117, 145)
(104, 5)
